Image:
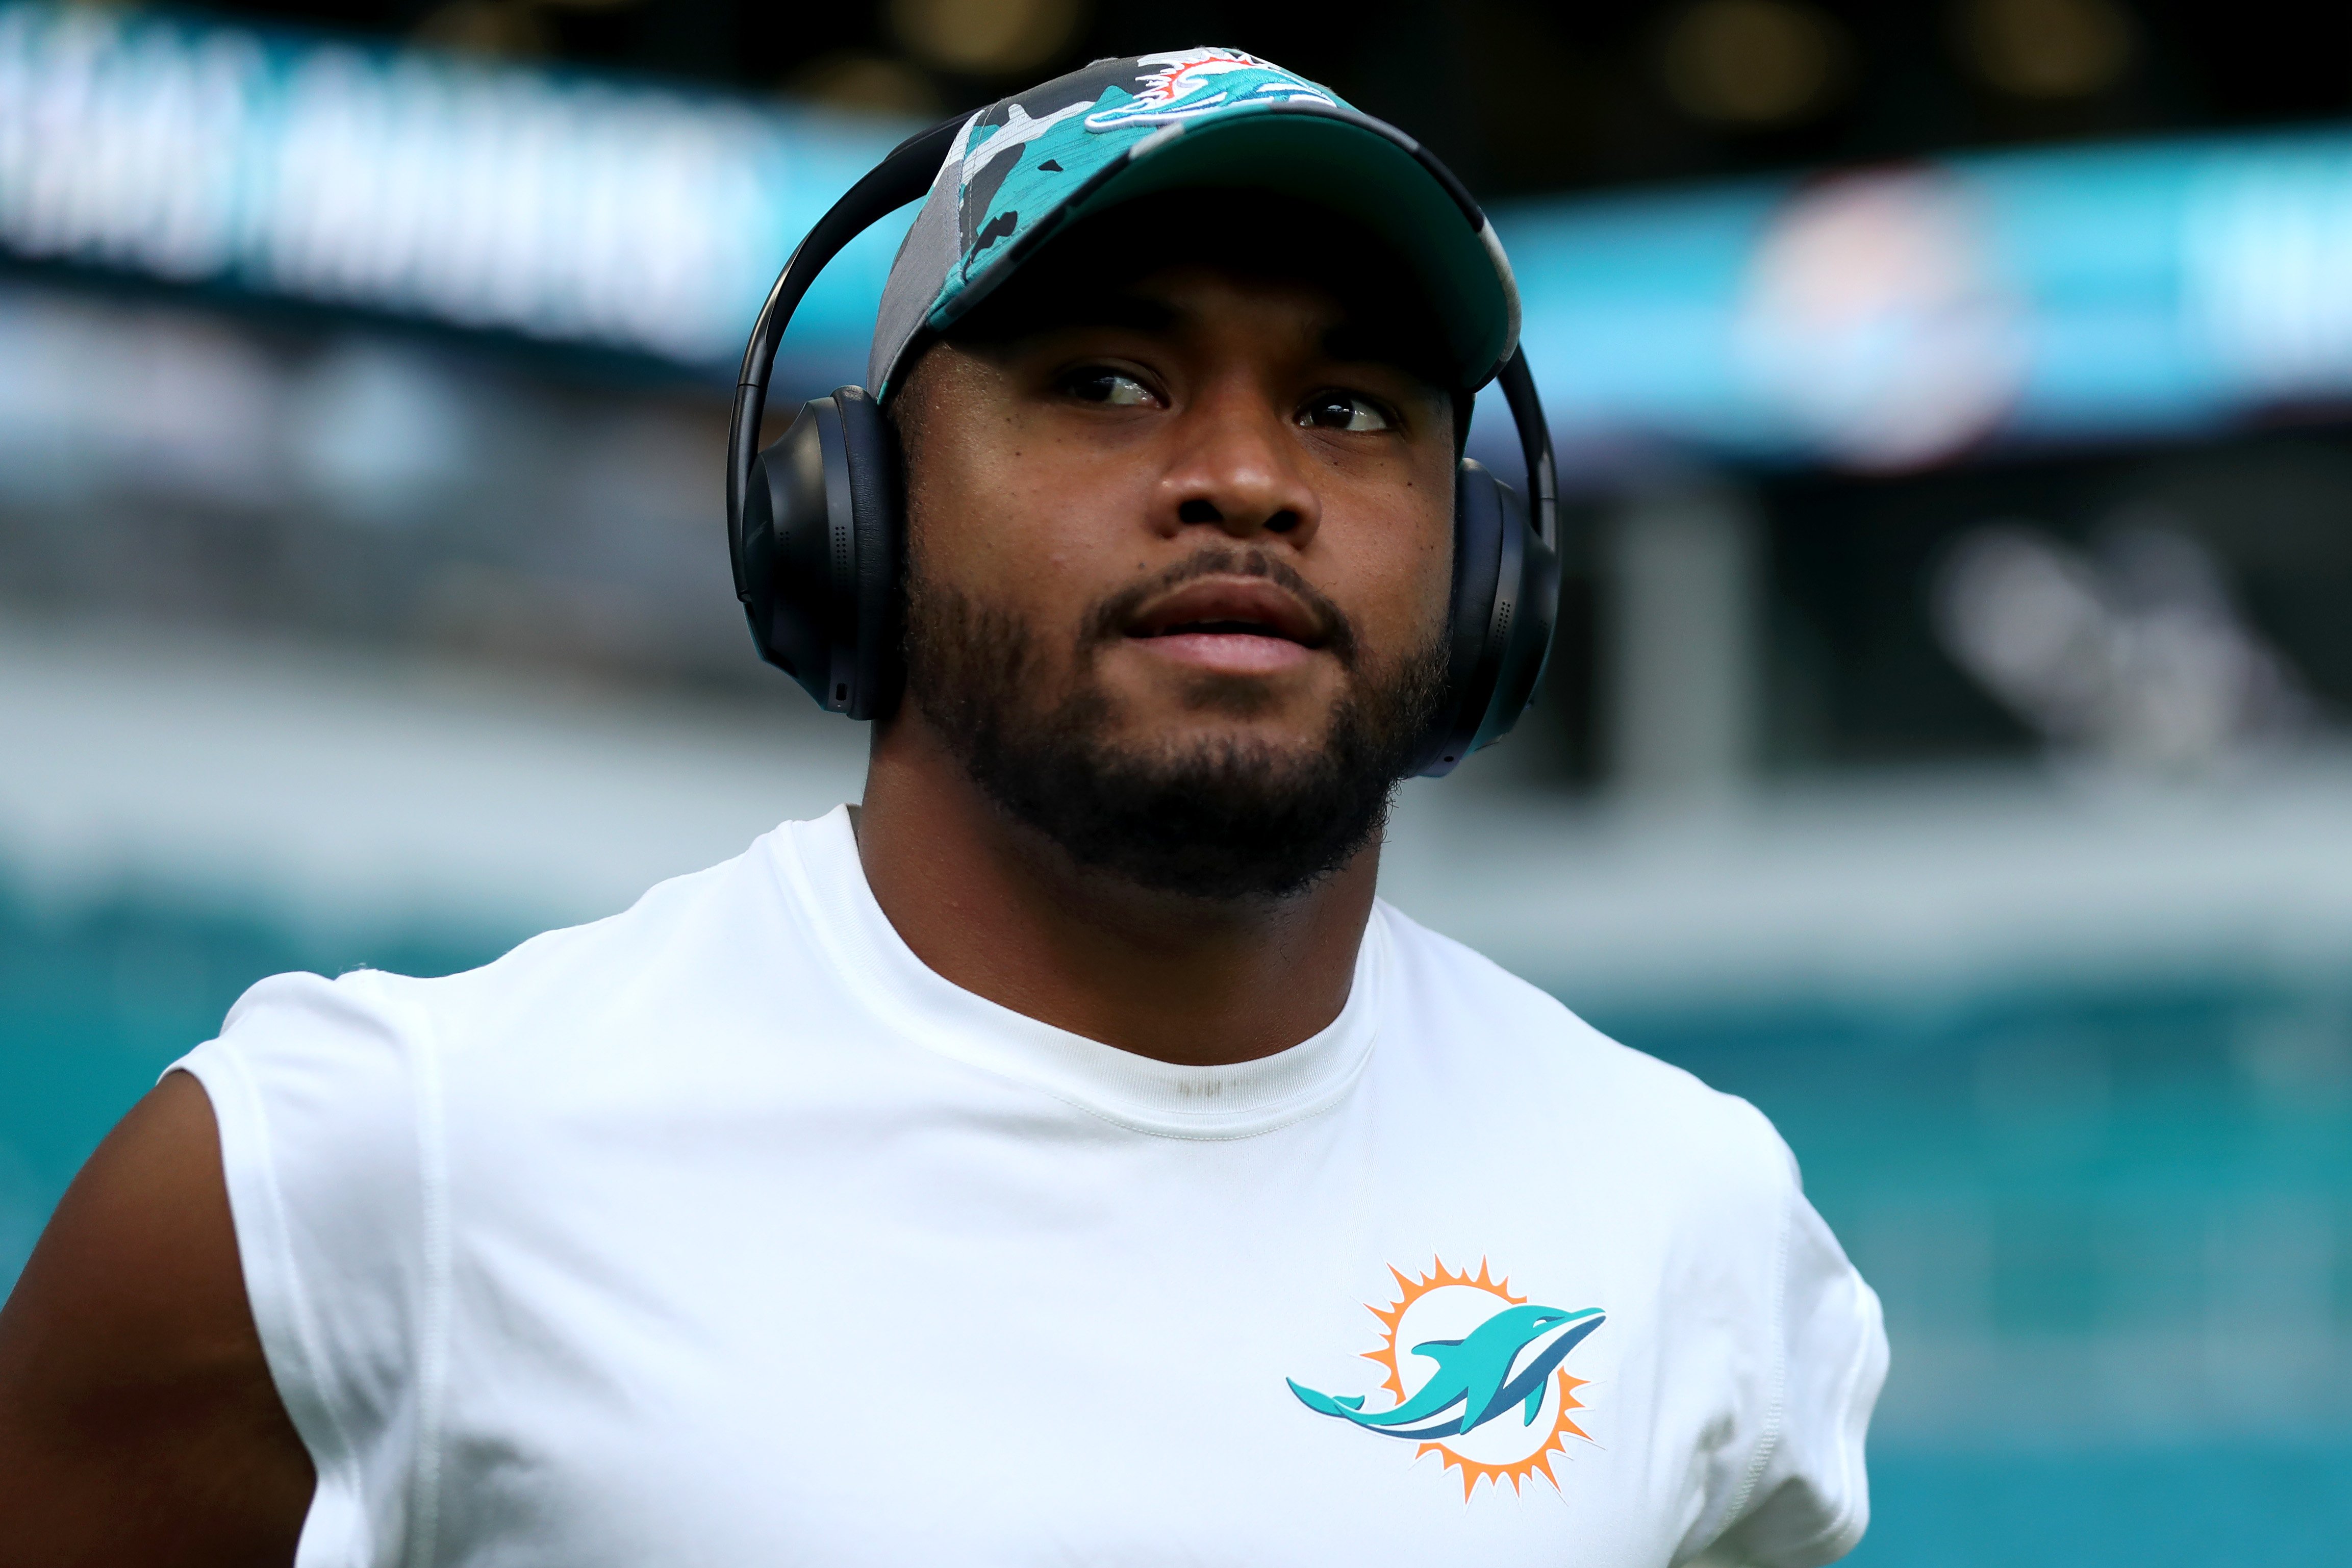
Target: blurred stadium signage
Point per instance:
(1878, 319)
(1887, 319)
(561, 208)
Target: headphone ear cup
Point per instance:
(782, 556)
(1506, 595)
(874, 601)
(1531, 584)
(1477, 559)
(818, 564)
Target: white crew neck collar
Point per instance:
(819, 863)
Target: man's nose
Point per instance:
(1238, 466)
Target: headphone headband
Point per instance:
(1534, 444)
(904, 177)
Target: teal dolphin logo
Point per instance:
(1508, 1360)
(1478, 1376)
(1193, 82)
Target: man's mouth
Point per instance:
(1229, 607)
(1233, 625)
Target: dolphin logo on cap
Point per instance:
(1202, 81)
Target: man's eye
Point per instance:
(1344, 411)
(1110, 386)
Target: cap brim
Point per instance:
(1329, 158)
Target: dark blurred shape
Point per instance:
(503, 30)
(2135, 653)
(1865, 671)
(2045, 48)
(1527, 95)
(864, 82)
(1753, 63)
(1681, 619)
(986, 37)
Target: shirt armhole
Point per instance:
(1775, 1414)
(1841, 1408)
(333, 1530)
(1845, 1530)
(327, 1099)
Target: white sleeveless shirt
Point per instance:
(723, 1232)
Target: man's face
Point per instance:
(1188, 546)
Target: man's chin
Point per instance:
(1278, 734)
(1213, 784)
(1218, 811)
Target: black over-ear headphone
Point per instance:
(814, 523)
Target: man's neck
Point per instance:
(998, 910)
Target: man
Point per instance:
(1001, 1171)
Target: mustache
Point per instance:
(1109, 620)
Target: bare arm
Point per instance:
(138, 1422)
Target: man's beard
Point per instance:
(1216, 820)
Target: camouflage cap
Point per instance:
(1025, 168)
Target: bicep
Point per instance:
(137, 1421)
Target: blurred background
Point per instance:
(1945, 749)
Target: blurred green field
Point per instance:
(96, 1000)
(2112, 1232)
(2113, 1227)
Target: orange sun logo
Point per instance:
(1442, 1303)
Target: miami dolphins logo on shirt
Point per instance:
(1473, 1374)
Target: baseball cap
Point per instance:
(1026, 167)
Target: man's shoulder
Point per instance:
(693, 921)
(685, 923)
(1486, 1022)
